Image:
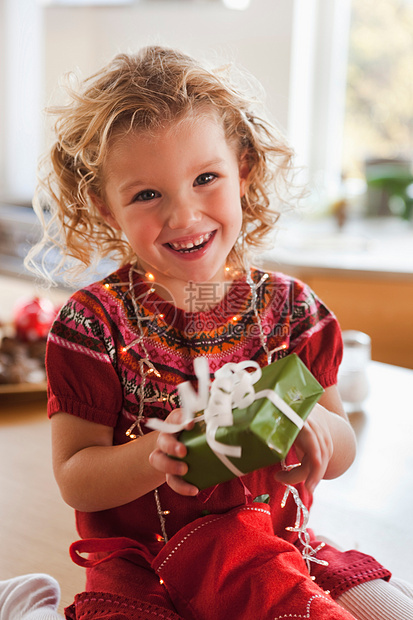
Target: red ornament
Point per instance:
(33, 319)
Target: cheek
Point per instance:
(140, 228)
(234, 221)
(237, 211)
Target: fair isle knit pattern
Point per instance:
(98, 324)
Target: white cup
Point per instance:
(353, 383)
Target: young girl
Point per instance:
(166, 165)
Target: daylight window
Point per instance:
(378, 125)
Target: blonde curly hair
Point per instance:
(139, 92)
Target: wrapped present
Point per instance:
(246, 420)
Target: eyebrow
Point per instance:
(213, 162)
(124, 189)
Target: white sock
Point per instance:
(29, 597)
(403, 586)
(378, 600)
(42, 614)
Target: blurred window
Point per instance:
(378, 121)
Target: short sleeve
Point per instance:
(82, 379)
(315, 335)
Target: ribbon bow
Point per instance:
(232, 388)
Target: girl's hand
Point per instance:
(167, 446)
(314, 446)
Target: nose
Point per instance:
(183, 213)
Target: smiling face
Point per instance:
(176, 195)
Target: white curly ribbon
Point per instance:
(233, 387)
(300, 525)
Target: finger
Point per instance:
(316, 468)
(169, 444)
(318, 460)
(163, 463)
(315, 474)
(175, 417)
(180, 486)
(319, 468)
(294, 476)
(311, 442)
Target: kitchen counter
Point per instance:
(363, 273)
(377, 247)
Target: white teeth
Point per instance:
(191, 244)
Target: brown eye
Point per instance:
(146, 195)
(205, 178)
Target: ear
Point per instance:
(104, 211)
(244, 170)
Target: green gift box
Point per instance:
(264, 433)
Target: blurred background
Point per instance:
(338, 75)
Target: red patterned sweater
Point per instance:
(93, 374)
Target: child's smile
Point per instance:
(193, 247)
(176, 195)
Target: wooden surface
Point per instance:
(36, 526)
(369, 507)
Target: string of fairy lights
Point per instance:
(147, 369)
